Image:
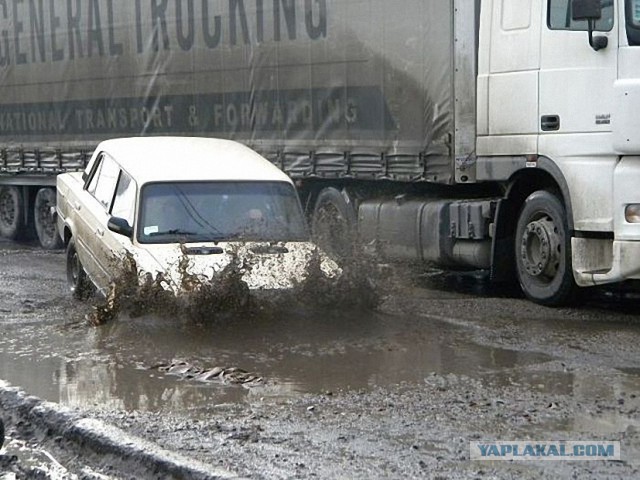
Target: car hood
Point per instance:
(269, 265)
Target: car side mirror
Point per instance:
(589, 10)
(120, 226)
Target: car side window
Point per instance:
(124, 202)
(559, 17)
(103, 183)
(91, 188)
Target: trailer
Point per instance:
(469, 134)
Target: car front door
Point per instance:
(99, 252)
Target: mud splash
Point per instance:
(360, 284)
(356, 284)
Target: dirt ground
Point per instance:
(395, 392)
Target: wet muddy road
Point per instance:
(394, 393)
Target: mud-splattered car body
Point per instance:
(176, 202)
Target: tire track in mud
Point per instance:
(188, 371)
(98, 441)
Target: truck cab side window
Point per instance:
(633, 21)
(560, 18)
(103, 183)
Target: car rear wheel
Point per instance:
(79, 283)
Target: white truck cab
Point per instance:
(558, 93)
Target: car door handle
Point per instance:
(100, 232)
(77, 206)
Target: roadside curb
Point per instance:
(108, 444)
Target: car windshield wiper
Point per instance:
(193, 236)
(174, 231)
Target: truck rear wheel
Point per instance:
(44, 218)
(543, 250)
(11, 218)
(77, 279)
(334, 222)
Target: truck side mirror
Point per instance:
(586, 10)
(589, 10)
(120, 226)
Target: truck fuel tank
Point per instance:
(450, 232)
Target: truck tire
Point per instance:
(11, 218)
(543, 250)
(44, 219)
(79, 284)
(333, 223)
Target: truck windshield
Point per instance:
(220, 211)
(633, 21)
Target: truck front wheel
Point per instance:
(44, 218)
(334, 222)
(543, 250)
(11, 218)
(77, 279)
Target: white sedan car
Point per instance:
(159, 199)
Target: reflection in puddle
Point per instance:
(606, 407)
(556, 383)
(620, 390)
(296, 352)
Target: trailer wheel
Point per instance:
(543, 250)
(79, 284)
(44, 218)
(334, 222)
(11, 218)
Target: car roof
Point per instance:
(158, 159)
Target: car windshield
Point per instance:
(220, 211)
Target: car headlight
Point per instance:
(632, 213)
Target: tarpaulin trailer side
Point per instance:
(362, 88)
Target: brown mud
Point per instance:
(397, 391)
(358, 285)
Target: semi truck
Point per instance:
(500, 135)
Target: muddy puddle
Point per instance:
(60, 357)
(295, 352)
